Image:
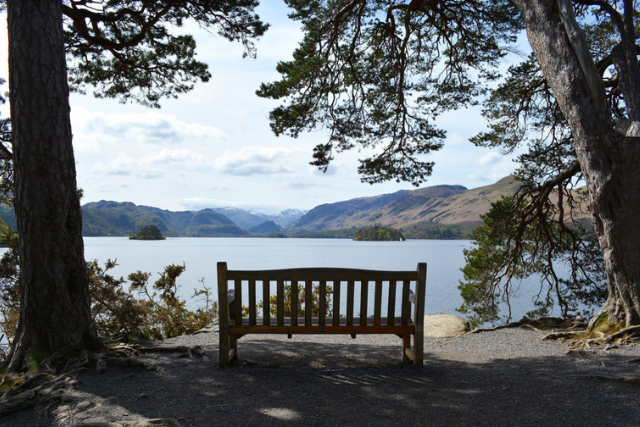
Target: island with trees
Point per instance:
(148, 232)
(378, 233)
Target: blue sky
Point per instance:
(213, 146)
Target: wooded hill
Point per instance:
(441, 211)
(436, 212)
(121, 219)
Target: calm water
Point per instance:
(444, 259)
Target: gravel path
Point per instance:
(499, 378)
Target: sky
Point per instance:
(213, 147)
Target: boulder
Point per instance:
(445, 326)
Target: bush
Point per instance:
(169, 316)
(9, 293)
(315, 299)
(137, 312)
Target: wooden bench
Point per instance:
(233, 324)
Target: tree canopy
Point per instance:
(129, 50)
(147, 232)
(376, 74)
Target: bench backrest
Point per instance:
(339, 279)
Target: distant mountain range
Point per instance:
(246, 219)
(423, 213)
(442, 211)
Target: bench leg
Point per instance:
(224, 346)
(406, 345)
(418, 350)
(233, 347)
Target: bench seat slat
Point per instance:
(364, 322)
(327, 329)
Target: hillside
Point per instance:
(247, 219)
(107, 218)
(436, 212)
(417, 209)
(346, 214)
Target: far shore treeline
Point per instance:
(442, 212)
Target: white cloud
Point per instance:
(255, 160)
(181, 156)
(123, 164)
(454, 138)
(154, 166)
(91, 129)
(489, 159)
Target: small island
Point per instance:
(378, 234)
(148, 232)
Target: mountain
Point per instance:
(441, 211)
(418, 209)
(107, 218)
(268, 227)
(247, 219)
(333, 216)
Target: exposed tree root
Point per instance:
(629, 380)
(583, 340)
(576, 332)
(59, 371)
(544, 323)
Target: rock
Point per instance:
(445, 326)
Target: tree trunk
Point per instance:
(55, 314)
(609, 161)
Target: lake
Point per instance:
(444, 259)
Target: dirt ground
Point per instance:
(501, 378)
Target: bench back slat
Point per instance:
(252, 302)
(294, 303)
(364, 299)
(336, 303)
(391, 309)
(406, 303)
(350, 296)
(266, 303)
(237, 285)
(322, 303)
(280, 303)
(377, 304)
(308, 302)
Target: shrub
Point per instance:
(315, 299)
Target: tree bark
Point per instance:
(609, 160)
(55, 312)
